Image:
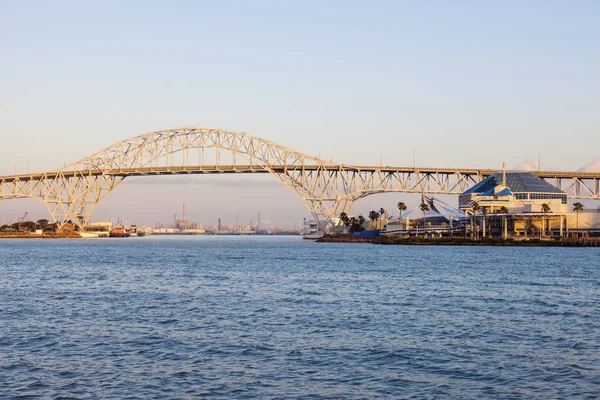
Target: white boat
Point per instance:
(91, 235)
(311, 230)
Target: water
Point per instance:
(231, 317)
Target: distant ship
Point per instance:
(120, 231)
(133, 231)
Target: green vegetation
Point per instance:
(373, 216)
(474, 208)
(354, 224)
(545, 208)
(577, 207)
(503, 210)
(424, 207)
(29, 226)
(401, 207)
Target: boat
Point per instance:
(120, 231)
(311, 230)
(90, 235)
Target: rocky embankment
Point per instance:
(454, 241)
(45, 235)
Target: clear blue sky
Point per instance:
(470, 84)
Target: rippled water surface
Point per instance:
(230, 317)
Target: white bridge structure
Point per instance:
(71, 193)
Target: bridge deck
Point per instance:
(220, 169)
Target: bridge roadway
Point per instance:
(220, 169)
(326, 188)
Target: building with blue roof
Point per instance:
(520, 190)
(518, 203)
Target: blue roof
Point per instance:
(517, 182)
(504, 192)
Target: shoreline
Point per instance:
(53, 235)
(413, 241)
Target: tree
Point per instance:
(43, 223)
(401, 207)
(356, 224)
(361, 220)
(373, 216)
(545, 210)
(351, 224)
(382, 212)
(577, 207)
(27, 226)
(80, 219)
(344, 218)
(475, 208)
(424, 207)
(503, 210)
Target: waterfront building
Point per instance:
(441, 219)
(514, 204)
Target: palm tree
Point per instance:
(577, 207)
(373, 216)
(43, 223)
(475, 207)
(503, 210)
(353, 224)
(344, 218)
(401, 207)
(424, 207)
(545, 210)
(382, 212)
(361, 220)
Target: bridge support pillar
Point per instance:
(75, 199)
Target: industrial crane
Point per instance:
(20, 220)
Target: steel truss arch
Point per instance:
(73, 191)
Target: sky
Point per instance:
(466, 84)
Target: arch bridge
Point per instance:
(73, 191)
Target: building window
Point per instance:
(542, 196)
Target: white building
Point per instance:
(522, 204)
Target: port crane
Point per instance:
(20, 220)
